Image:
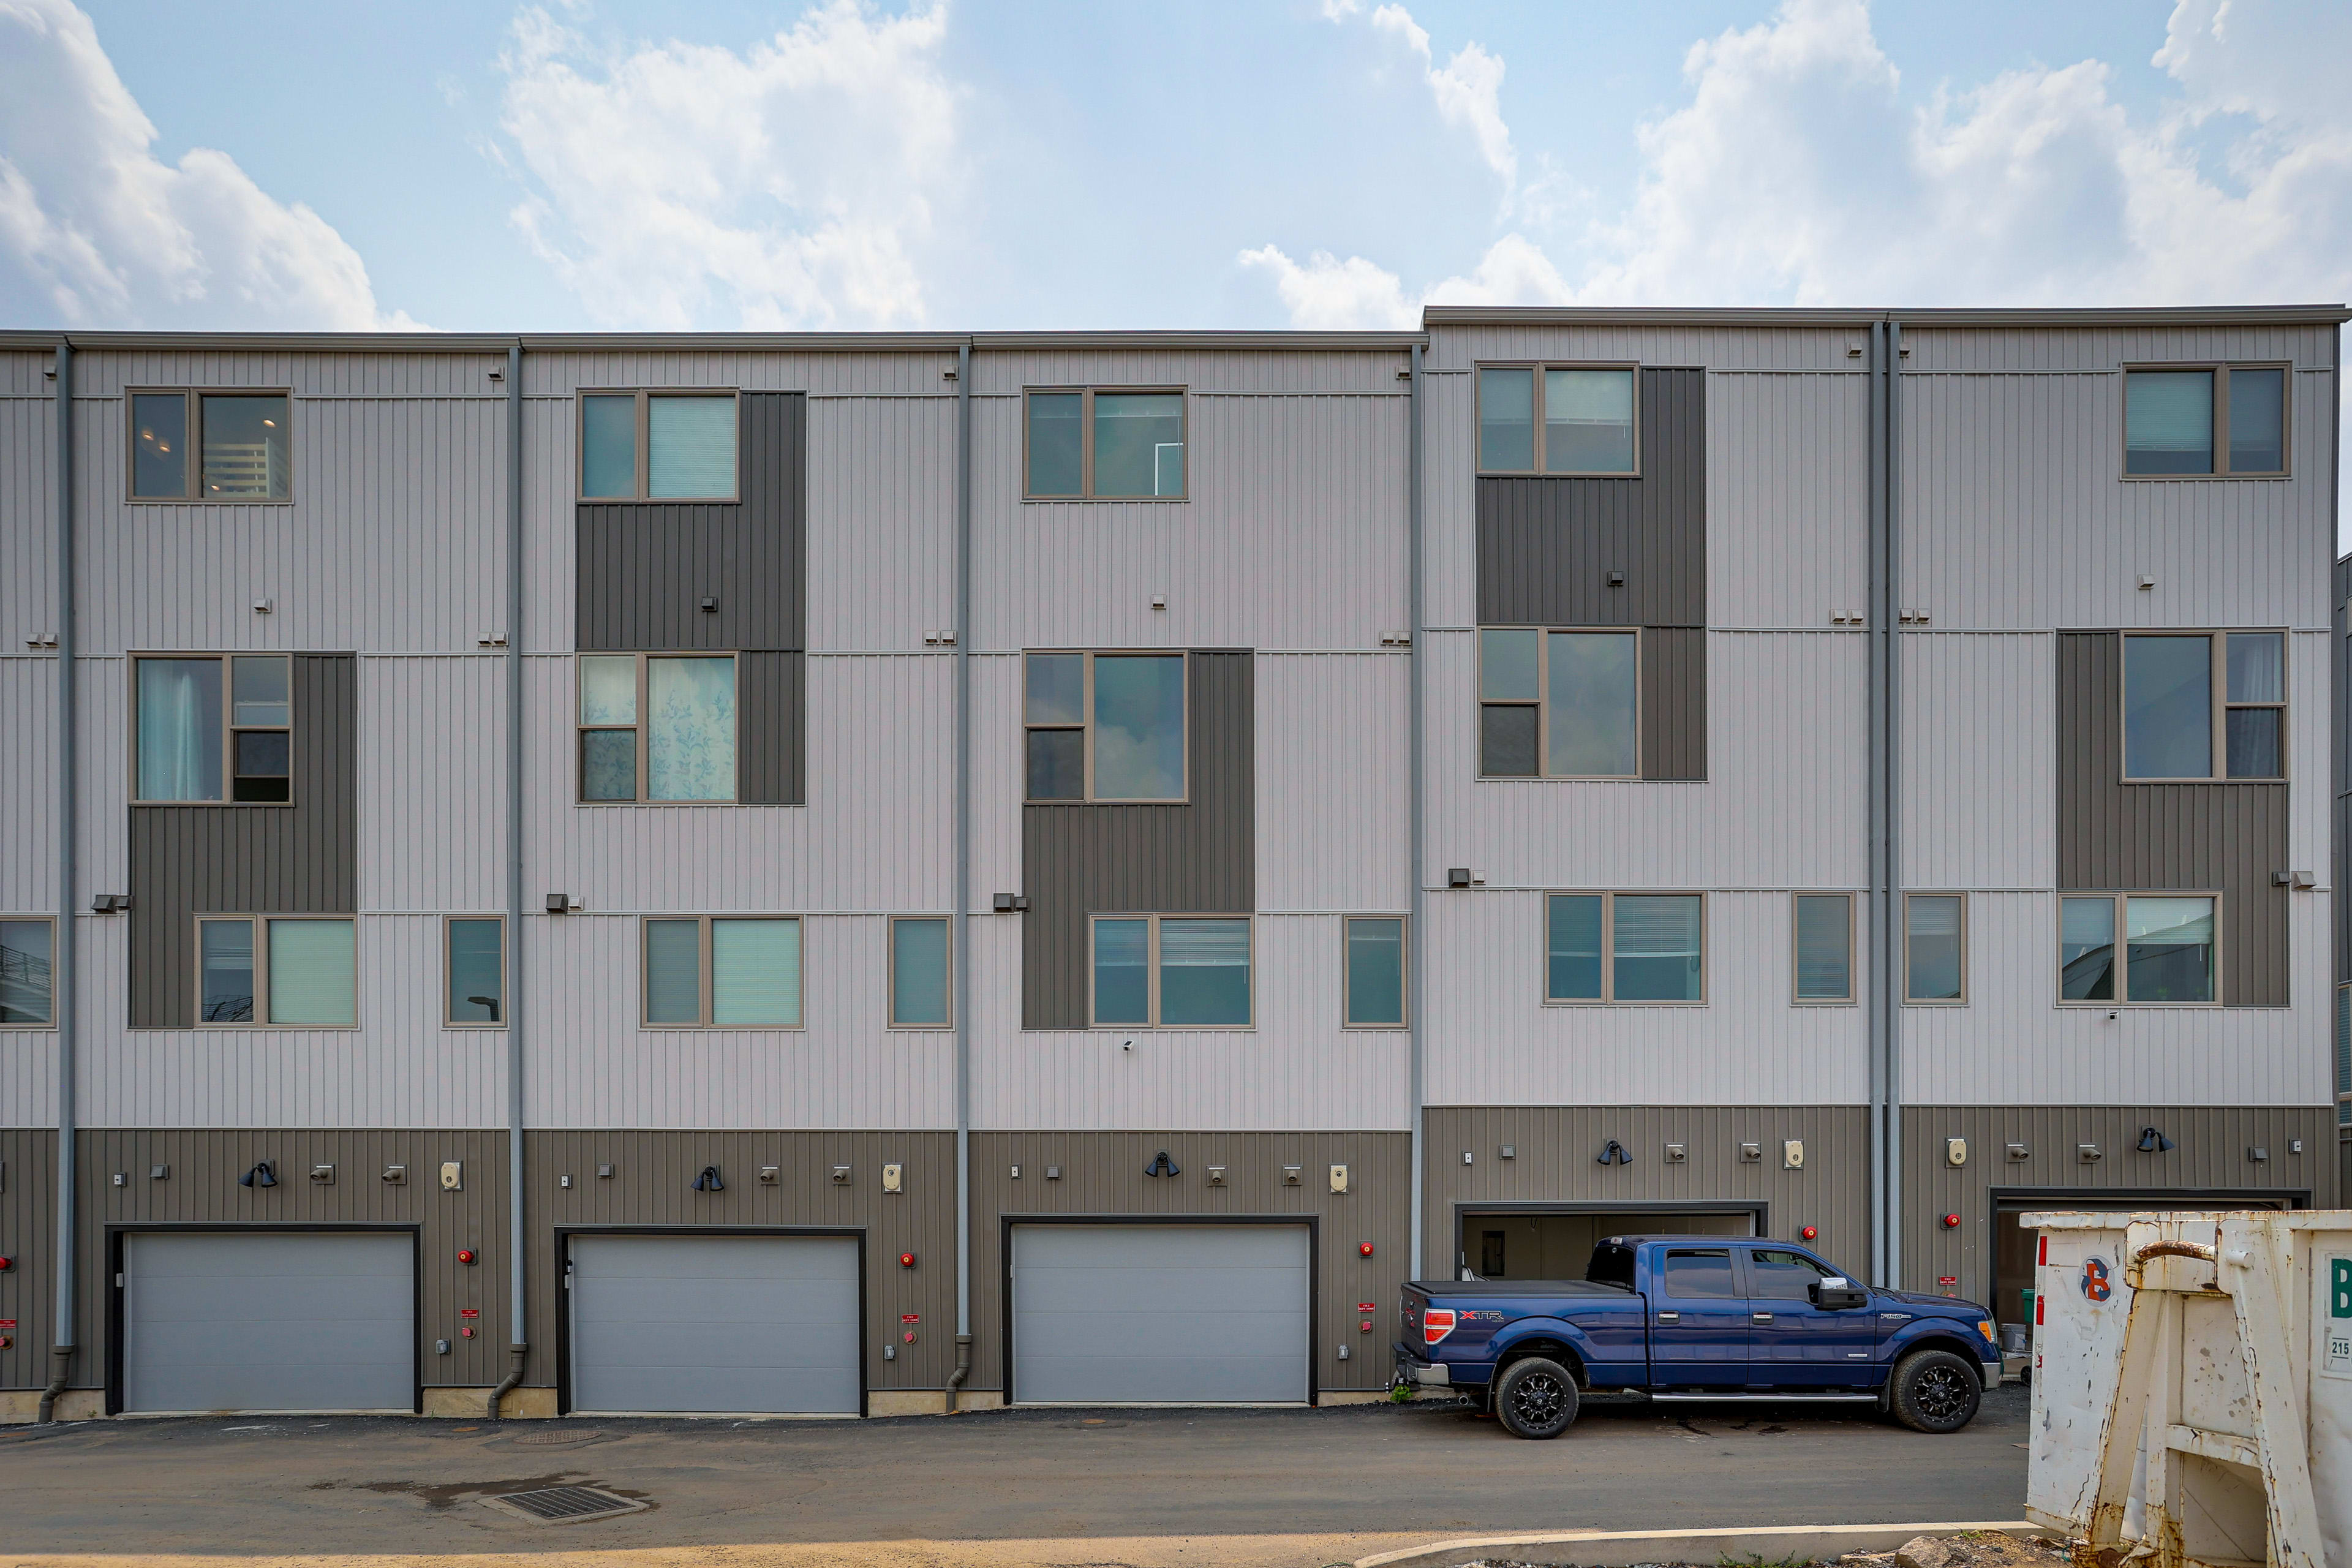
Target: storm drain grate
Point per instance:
(557, 1437)
(564, 1505)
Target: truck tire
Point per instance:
(1935, 1391)
(1535, 1398)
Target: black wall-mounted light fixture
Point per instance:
(2152, 1141)
(261, 1176)
(708, 1181)
(1163, 1166)
(1616, 1153)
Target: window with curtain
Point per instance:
(658, 446)
(188, 738)
(1103, 444)
(284, 971)
(722, 971)
(920, 972)
(26, 978)
(1172, 972)
(1559, 419)
(2205, 421)
(2173, 726)
(2167, 955)
(1625, 947)
(1375, 965)
(1559, 704)
(1104, 726)
(1934, 947)
(658, 727)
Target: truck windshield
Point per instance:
(1612, 1264)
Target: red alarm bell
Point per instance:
(466, 1256)
(1809, 1233)
(1951, 1222)
(1363, 1249)
(906, 1260)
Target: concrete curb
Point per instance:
(1624, 1548)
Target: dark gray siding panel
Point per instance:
(771, 701)
(1198, 857)
(643, 571)
(1546, 547)
(2114, 836)
(301, 859)
(28, 1207)
(1673, 703)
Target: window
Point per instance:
(1375, 973)
(2180, 722)
(1105, 726)
(475, 970)
(1557, 419)
(920, 972)
(1935, 947)
(1704, 1275)
(1782, 1276)
(2167, 949)
(185, 731)
(656, 727)
(239, 444)
(1172, 972)
(1559, 704)
(281, 970)
(1625, 947)
(27, 949)
(1090, 444)
(2205, 421)
(1824, 947)
(722, 971)
(657, 446)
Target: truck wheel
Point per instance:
(1935, 1391)
(1535, 1398)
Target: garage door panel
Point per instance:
(262, 1320)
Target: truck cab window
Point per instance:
(1782, 1276)
(1701, 1275)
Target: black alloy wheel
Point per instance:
(1936, 1390)
(1535, 1398)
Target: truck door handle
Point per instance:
(1762, 1317)
(1670, 1317)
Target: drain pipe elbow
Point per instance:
(963, 1370)
(64, 1355)
(514, 1376)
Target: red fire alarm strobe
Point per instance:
(466, 1256)
(1809, 1233)
(910, 1336)
(1951, 1222)
(906, 1260)
(1363, 1249)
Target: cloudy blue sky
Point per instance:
(1317, 162)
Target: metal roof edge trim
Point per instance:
(1800, 316)
(21, 340)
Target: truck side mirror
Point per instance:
(1834, 1295)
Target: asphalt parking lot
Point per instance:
(1074, 1488)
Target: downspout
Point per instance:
(517, 1332)
(61, 952)
(1885, 902)
(960, 923)
(1414, 931)
(1897, 969)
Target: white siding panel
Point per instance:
(877, 834)
(2013, 1045)
(881, 522)
(2311, 825)
(28, 850)
(432, 784)
(1980, 761)
(590, 1066)
(1449, 518)
(29, 519)
(1785, 806)
(1334, 781)
(1296, 1069)
(398, 1069)
(550, 542)
(999, 781)
(1491, 1041)
(103, 693)
(1788, 499)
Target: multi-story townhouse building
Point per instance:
(867, 874)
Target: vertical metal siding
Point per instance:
(2114, 835)
(432, 822)
(1761, 346)
(1788, 508)
(297, 859)
(28, 850)
(1237, 372)
(1979, 759)
(1493, 1041)
(103, 370)
(1333, 795)
(773, 767)
(551, 372)
(881, 522)
(1673, 703)
(29, 1201)
(1197, 858)
(1449, 546)
(29, 509)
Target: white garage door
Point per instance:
(269, 1321)
(1159, 1314)
(715, 1324)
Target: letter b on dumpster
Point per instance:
(2338, 1327)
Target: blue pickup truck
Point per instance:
(1696, 1318)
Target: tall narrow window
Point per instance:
(1559, 419)
(1173, 971)
(2205, 421)
(1099, 444)
(722, 971)
(2167, 949)
(239, 448)
(1507, 420)
(225, 989)
(1375, 972)
(26, 983)
(2086, 950)
(159, 446)
(476, 972)
(2254, 711)
(658, 727)
(2174, 727)
(920, 972)
(1559, 704)
(278, 970)
(1625, 947)
(1935, 947)
(658, 446)
(185, 731)
(1105, 726)
(1824, 947)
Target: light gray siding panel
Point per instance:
(558, 373)
(104, 372)
(1490, 1039)
(432, 784)
(2013, 1045)
(2062, 348)
(645, 569)
(1787, 757)
(1334, 797)
(715, 1324)
(1787, 504)
(1161, 1313)
(1752, 348)
(550, 486)
(881, 522)
(1298, 1067)
(1980, 758)
(1449, 520)
(255, 1321)
(1200, 857)
(28, 850)
(2149, 838)
(590, 1065)
(297, 859)
(28, 513)
(1244, 372)
(998, 779)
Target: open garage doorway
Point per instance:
(1554, 1241)
(2012, 1243)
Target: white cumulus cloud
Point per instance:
(96, 231)
(1325, 292)
(1467, 89)
(793, 183)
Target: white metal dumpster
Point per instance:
(2192, 1387)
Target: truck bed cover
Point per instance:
(1436, 1288)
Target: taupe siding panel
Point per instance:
(1198, 857)
(1673, 703)
(645, 570)
(2134, 838)
(301, 858)
(203, 1189)
(1546, 546)
(771, 697)
(1102, 1174)
(28, 1208)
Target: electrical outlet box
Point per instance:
(894, 1178)
(1338, 1178)
(453, 1175)
(1793, 1154)
(1956, 1150)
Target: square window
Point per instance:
(1566, 420)
(1104, 726)
(1656, 947)
(659, 446)
(27, 979)
(1103, 444)
(2167, 949)
(1559, 704)
(658, 727)
(2174, 728)
(2206, 421)
(188, 731)
(1175, 972)
(277, 971)
(220, 446)
(722, 971)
